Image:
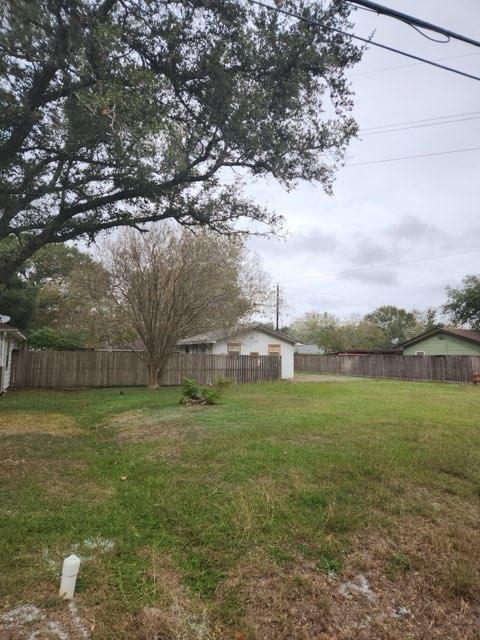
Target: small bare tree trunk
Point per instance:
(155, 372)
(152, 377)
(170, 284)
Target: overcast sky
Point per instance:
(390, 212)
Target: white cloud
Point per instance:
(396, 211)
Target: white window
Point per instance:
(419, 353)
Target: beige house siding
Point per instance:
(443, 345)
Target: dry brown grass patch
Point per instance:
(420, 581)
(136, 426)
(176, 614)
(24, 422)
(54, 477)
(429, 567)
(60, 619)
(321, 377)
(406, 572)
(279, 603)
(171, 429)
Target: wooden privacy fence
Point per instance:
(64, 369)
(440, 368)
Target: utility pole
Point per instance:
(277, 307)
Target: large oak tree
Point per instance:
(121, 112)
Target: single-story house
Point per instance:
(444, 341)
(10, 339)
(245, 340)
(309, 350)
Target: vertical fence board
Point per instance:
(428, 368)
(65, 369)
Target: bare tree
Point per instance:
(170, 283)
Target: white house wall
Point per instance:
(257, 342)
(6, 347)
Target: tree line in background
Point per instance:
(60, 299)
(381, 329)
(64, 298)
(387, 325)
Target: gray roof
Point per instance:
(220, 334)
(202, 338)
(309, 349)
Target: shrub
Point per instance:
(190, 388)
(60, 339)
(210, 395)
(193, 393)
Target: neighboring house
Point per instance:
(443, 342)
(10, 338)
(309, 350)
(246, 340)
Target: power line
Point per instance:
(422, 155)
(401, 124)
(413, 21)
(381, 266)
(420, 126)
(412, 64)
(414, 157)
(380, 45)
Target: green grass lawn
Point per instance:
(251, 519)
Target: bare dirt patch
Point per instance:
(25, 422)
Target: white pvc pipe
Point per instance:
(70, 569)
